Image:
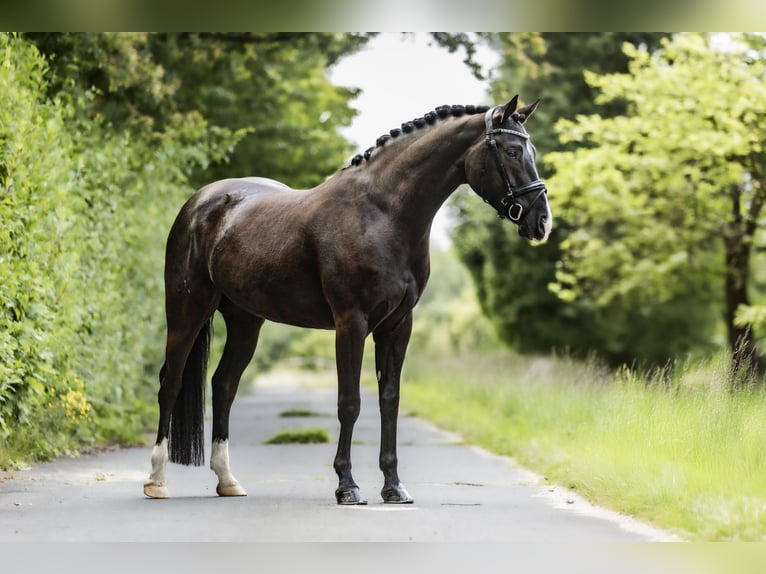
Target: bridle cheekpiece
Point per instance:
(510, 208)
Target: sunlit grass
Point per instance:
(300, 436)
(677, 449)
(300, 413)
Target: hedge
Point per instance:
(84, 212)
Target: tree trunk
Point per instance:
(745, 355)
(742, 340)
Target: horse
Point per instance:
(350, 255)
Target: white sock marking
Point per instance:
(159, 462)
(219, 462)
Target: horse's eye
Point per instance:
(514, 153)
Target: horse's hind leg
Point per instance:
(188, 331)
(390, 348)
(242, 330)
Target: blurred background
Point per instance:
(649, 295)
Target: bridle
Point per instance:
(510, 208)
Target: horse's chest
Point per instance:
(389, 294)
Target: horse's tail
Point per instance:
(186, 443)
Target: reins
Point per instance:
(510, 208)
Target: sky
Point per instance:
(402, 76)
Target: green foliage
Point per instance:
(275, 84)
(271, 89)
(641, 195)
(37, 271)
(512, 278)
(534, 63)
(752, 315)
(665, 201)
(80, 280)
(448, 319)
(125, 84)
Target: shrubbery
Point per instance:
(84, 211)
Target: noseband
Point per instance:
(510, 208)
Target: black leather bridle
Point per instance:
(509, 207)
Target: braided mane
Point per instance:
(428, 119)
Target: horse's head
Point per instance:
(501, 169)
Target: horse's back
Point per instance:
(214, 204)
(226, 190)
(264, 181)
(208, 212)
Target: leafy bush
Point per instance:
(84, 210)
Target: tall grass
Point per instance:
(674, 447)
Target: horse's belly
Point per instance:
(298, 307)
(292, 312)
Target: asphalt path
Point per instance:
(462, 493)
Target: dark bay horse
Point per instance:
(352, 255)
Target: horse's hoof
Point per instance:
(230, 490)
(396, 495)
(154, 490)
(350, 496)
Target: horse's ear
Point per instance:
(509, 108)
(527, 111)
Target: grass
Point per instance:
(300, 413)
(676, 449)
(300, 436)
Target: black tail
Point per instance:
(186, 444)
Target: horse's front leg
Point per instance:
(349, 350)
(390, 349)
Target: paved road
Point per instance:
(461, 493)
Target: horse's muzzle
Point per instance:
(537, 229)
(544, 226)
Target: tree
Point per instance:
(512, 279)
(273, 84)
(667, 199)
(550, 66)
(270, 90)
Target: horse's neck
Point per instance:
(412, 178)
